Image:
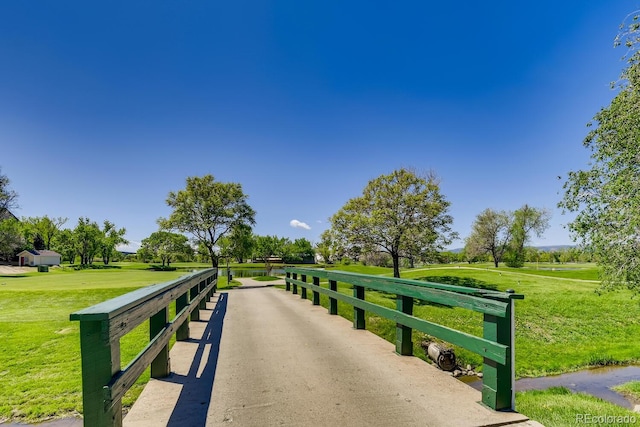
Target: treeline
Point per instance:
(239, 246)
(85, 242)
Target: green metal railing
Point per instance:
(496, 345)
(104, 382)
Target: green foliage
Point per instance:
(504, 234)
(606, 195)
(11, 240)
(402, 214)
(242, 242)
(207, 210)
(45, 228)
(8, 197)
(165, 246)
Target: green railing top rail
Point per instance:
(337, 274)
(118, 305)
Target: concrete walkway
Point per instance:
(282, 362)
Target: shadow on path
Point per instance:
(193, 403)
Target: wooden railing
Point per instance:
(496, 345)
(104, 382)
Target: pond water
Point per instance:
(597, 382)
(250, 272)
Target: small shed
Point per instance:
(42, 257)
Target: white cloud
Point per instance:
(297, 224)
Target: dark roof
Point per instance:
(43, 252)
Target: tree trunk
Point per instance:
(396, 265)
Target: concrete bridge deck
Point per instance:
(283, 362)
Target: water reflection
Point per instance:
(596, 382)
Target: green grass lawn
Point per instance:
(40, 374)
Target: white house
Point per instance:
(43, 257)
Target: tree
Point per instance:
(525, 221)
(265, 248)
(87, 237)
(64, 243)
(301, 250)
(400, 214)
(11, 240)
(166, 246)
(490, 234)
(44, 227)
(207, 210)
(8, 197)
(241, 242)
(110, 239)
(606, 196)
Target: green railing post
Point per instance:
(182, 333)
(195, 314)
(203, 302)
(316, 295)
(287, 285)
(303, 291)
(333, 303)
(498, 379)
(100, 361)
(161, 365)
(295, 287)
(358, 313)
(404, 346)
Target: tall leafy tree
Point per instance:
(11, 238)
(267, 247)
(241, 242)
(490, 234)
(606, 195)
(44, 227)
(110, 239)
(64, 243)
(8, 197)
(87, 238)
(207, 210)
(166, 246)
(524, 222)
(400, 214)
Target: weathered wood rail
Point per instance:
(104, 381)
(496, 345)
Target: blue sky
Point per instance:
(106, 107)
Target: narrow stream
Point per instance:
(597, 382)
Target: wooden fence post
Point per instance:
(100, 361)
(358, 313)
(404, 346)
(287, 285)
(295, 287)
(203, 302)
(303, 291)
(182, 333)
(333, 303)
(316, 295)
(195, 314)
(161, 365)
(497, 381)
